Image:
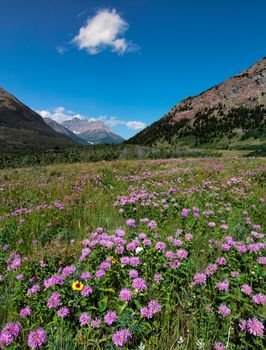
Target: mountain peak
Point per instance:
(218, 107)
(93, 131)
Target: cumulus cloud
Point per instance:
(132, 124)
(60, 114)
(135, 125)
(105, 30)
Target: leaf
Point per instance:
(102, 304)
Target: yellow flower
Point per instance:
(113, 260)
(77, 285)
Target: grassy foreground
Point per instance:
(154, 254)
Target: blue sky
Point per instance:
(124, 61)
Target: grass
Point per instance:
(64, 203)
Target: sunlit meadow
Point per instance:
(163, 254)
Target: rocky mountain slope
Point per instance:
(62, 130)
(21, 127)
(231, 114)
(94, 132)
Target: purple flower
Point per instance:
(199, 278)
(25, 312)
(154, 306)
(125, 294)
(53, 280)
(15, 264)
(246, 289)
(184, 213)
(152, 225)
(84, 253)
(208, 309)
(121, 337)
(242, 249)
(133, 245)
(34, 289)
(219, 346)
(86, 275)
(36, 338)
(160, 246)
(243, 325)
(96, 323)
(262, 260)
(119, 249)
(20, 277)
(84, 319)
(255, 327)
(188, 237)
(9, 332)
(259, 299)
(87, 290)
(131, 223)
(54, 300)
(177, 242)
(125, 260)
(134, 261)
(223, 286)
(211, 269)
(182, 254)
(68, 270)
(147, 242)
(235, 274)
(146, 312)
(110, 317)
(105, 265)
(221, 261)
(100, 273)
(157, 277)
(169, 255)
(139, 284)
(224, 310)
(5, 247)
(133, 273)
(63, 312)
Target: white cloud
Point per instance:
(105, 29)
(44, 114)
(113, 121)
(132, 124)
(60, 114)
(135, 125)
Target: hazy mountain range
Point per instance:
(21, 127)
(93, 132)
(62, 130)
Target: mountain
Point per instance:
(94, 132)
(21, 127)
(231, 114)
(62, 130)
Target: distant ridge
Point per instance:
(62, 130)
(93, 131)
(232, 113)
(21, 127)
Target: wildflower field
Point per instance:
(158, 254)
